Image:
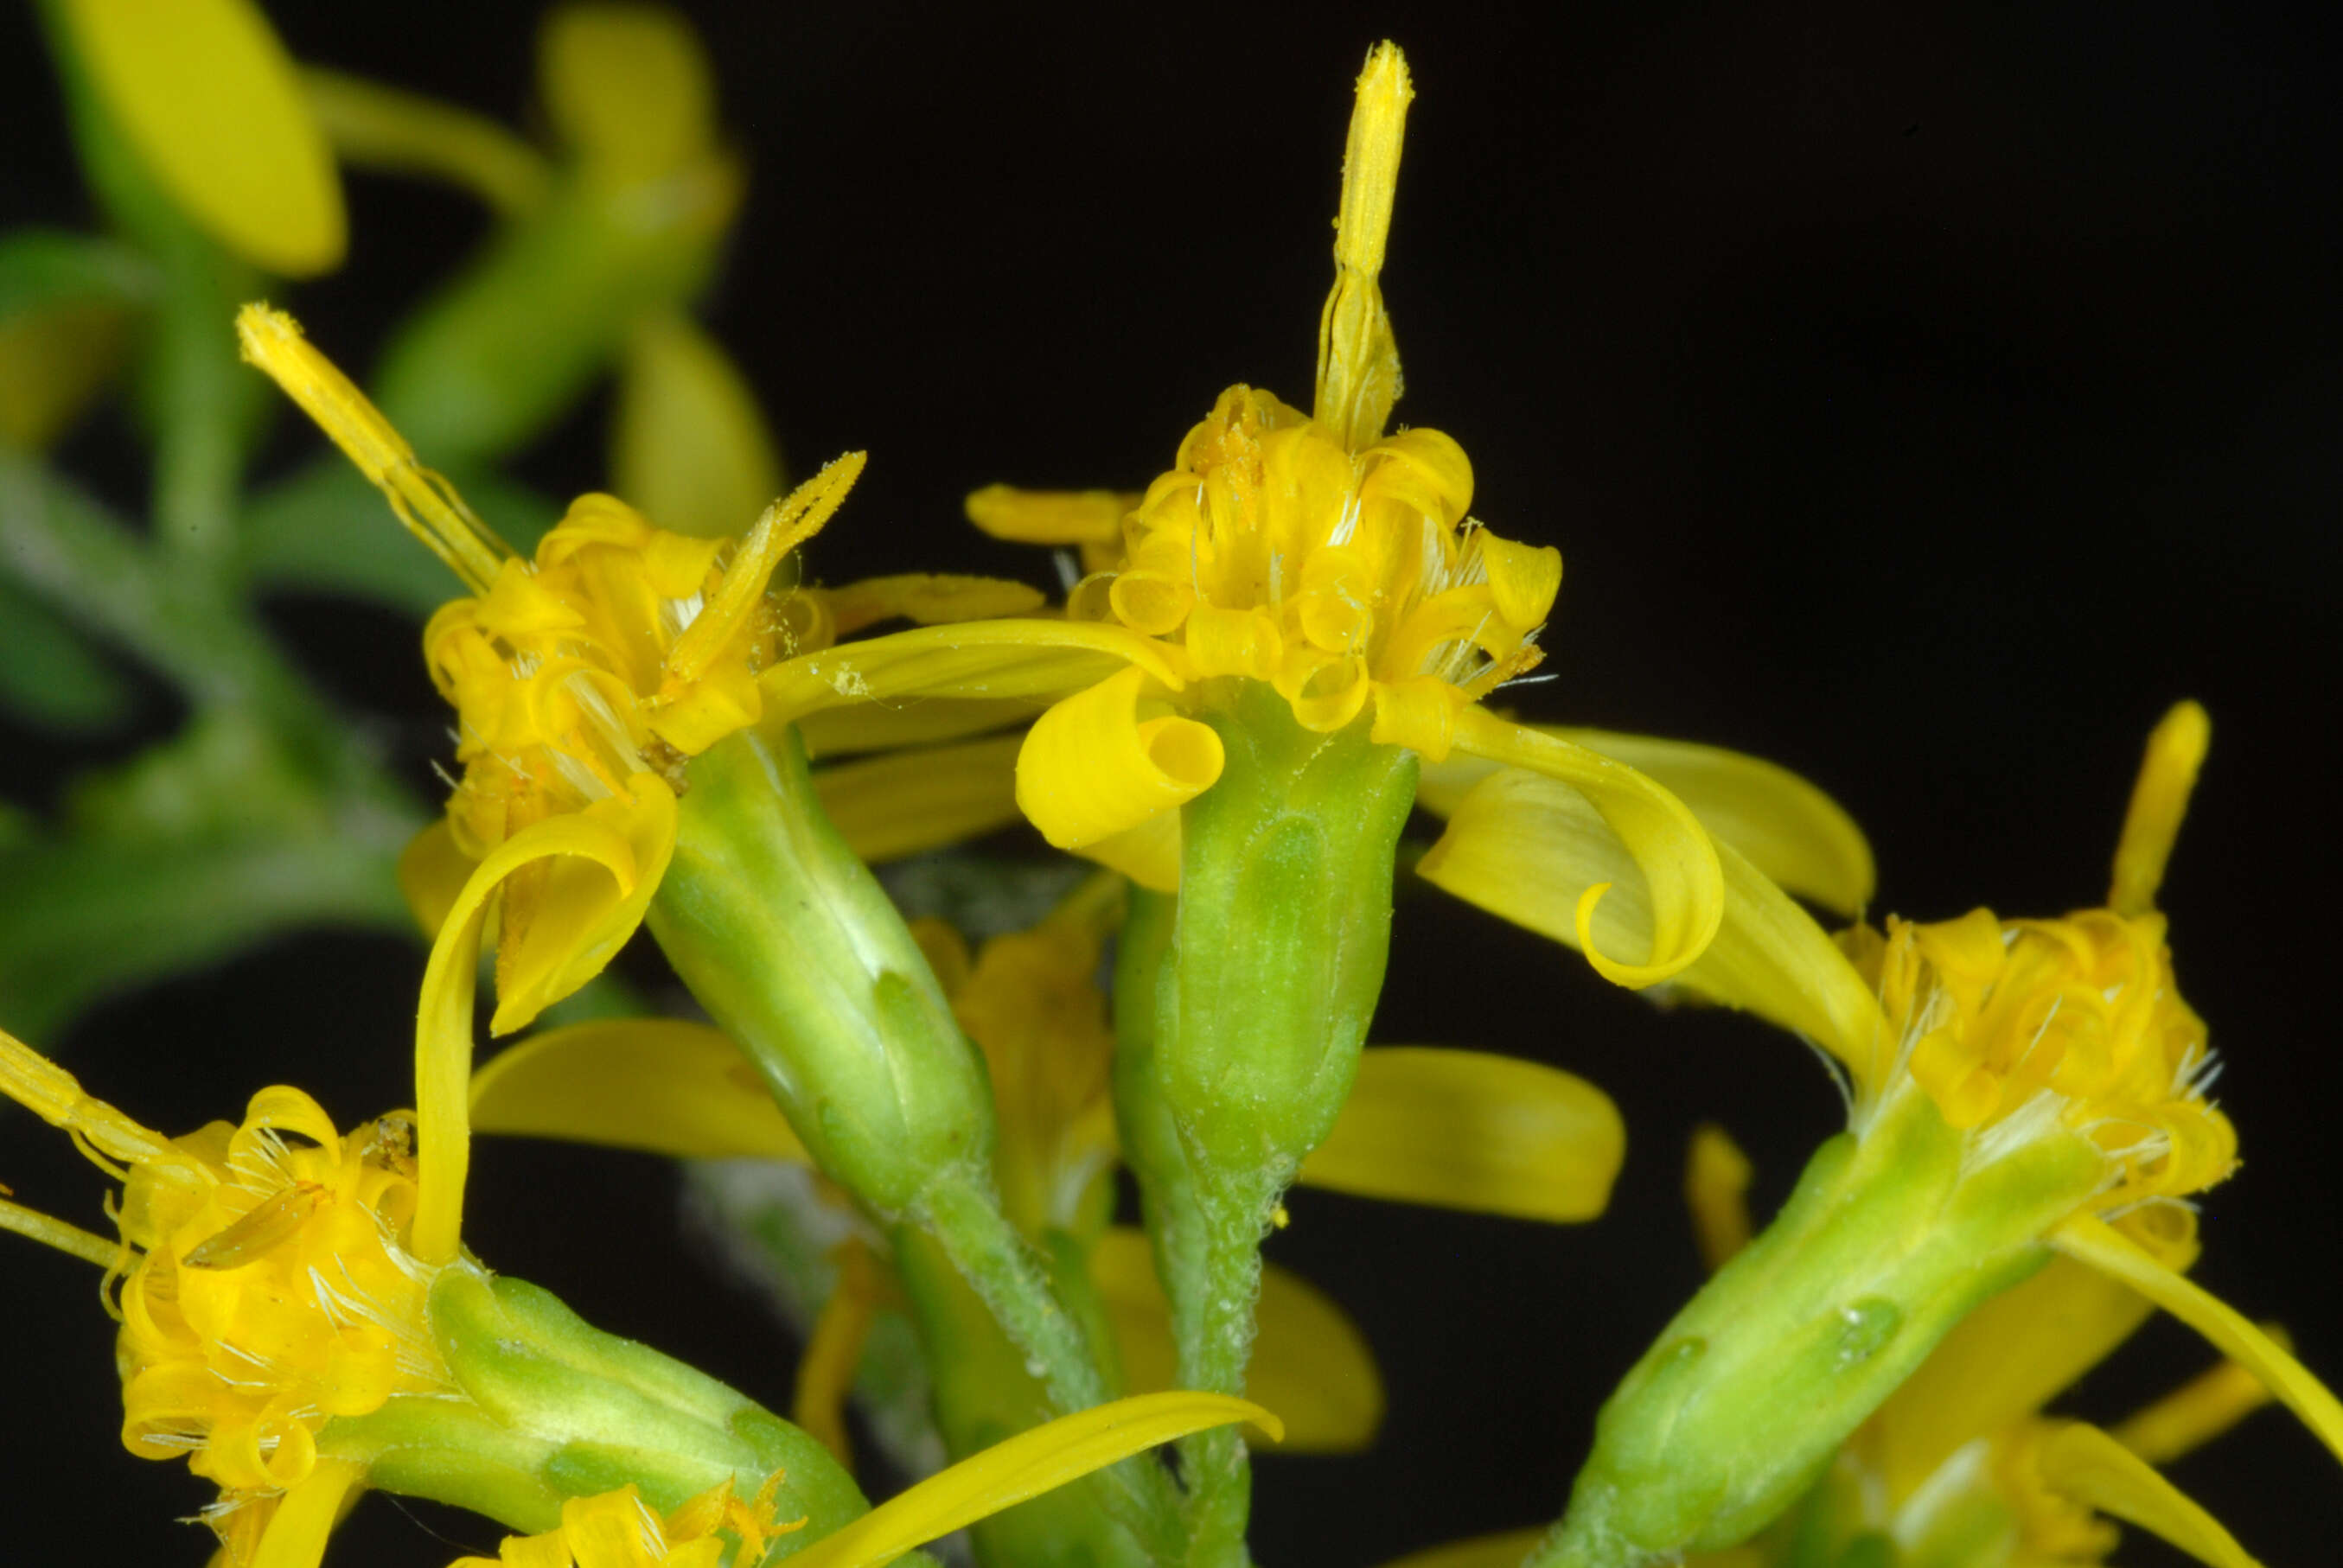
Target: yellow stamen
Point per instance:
(424, 501)
(2198, 1411)
(2158, 800)
(1716, 1191)
(1357, 361)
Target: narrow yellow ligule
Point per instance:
(382, 127)
(689, 444)
(1091, 519)
(295, 1537)
(432, 872)
(913, 801)
(1716, 1191)
(833, 1351)
(628, 87)
(2159, 799)
(34, 1225)
(928, 599)
(1090, 768)
(2195, 1413)
(660, 1085)
(1795, 834)
(785, 525)
(1309, 1361)
(2089, 1240)
(210, 99)
(2086, 1465)
(1358, 362)
(424, 501)
(1473, 1131)
(1024, 1466)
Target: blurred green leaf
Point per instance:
(68, 303)
(50, 675)
(326, 530)
(43, 267)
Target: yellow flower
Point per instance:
(619, 1530)
(584, 679)
(267, 1288)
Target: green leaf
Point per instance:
(326, 530)
(50, 675)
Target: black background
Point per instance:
(1923, 397)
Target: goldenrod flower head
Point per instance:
(2020, 1028)
(268, 1286)
(619, 1530)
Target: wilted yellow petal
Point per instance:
(1716, 1191)
(431, 872)
(1024, 1466)
(1091, 767)
(2159, 798)
(1310, 1362)
(688, 445)
(381, 127)
(660, 1085)
(1683, 887)
(2085, 1465)
(630, 87)
(209, 98)
(2090, 1240)
(911, 802)
(1796, 835)
(1007, 660)
(1468, 1130)
(295, 1537)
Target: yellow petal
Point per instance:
(578, 933)
(295, 1537)
(2090, 1240)
(431, 872)
(2085, 1465)
(628, 87)
(583, 902)
(382, 127)
(1716, 1191)
(1024, 1466)
(2168, 775)
(208, 96)
(2198, 1412)
(1468, 1130)
(911, 801)
(875, 726)
(833, 1351)
(1310, 1362)
(930, 598)
(997, 660)
(1051, 516)
(688, 444)
(1149, 854)
(1091, 767)
(1504, 1550)
(1793, 832)
(1681, 882)
(660, 1085)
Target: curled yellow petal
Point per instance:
(1310, 1362)
(2086, 1465)
(2159, 798)
(628, 87)
(911, 802)
(1091, 767)
(1792, 831)
(688, 444)
(431, 872)
(998, 660)
(295, 1537)
(1716, 1191)
(1680, 876)
(599, 881)
(1024, 1466)
(1468, 1130)
(660, 1085)
(207, 94)
(2090, 1240)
